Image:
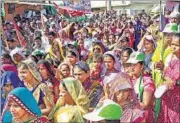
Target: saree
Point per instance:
(41, 90)
(131, 109)
(19, 95)
(141, 84)
(160, 54)
(170, 104)
(71, 113)
(51, 82)
(9, 77)
(52, 55)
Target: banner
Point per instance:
(79, 5)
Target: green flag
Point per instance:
(2, 8)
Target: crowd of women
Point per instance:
(108, 69)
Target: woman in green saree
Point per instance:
(72, 104)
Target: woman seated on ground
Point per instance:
(63, 71)
(22, 109)
(122, 92)
(47, 72)
(72, 104)
(28, 72)
(94, 90)
(112, 66)
(119, 90)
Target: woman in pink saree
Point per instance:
(170, 105)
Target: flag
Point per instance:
(68, 12)
(21, 39)
(61, 11)
(162, 22)
(43, 20)
(2, 9)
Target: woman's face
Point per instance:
(43, 71)
(96, 50)
(126, 67)
(16, 111)
(25, 75)
(109, 62)
(65, 70)
(148, 45)
(7, 88)
(125, 57)
(62, 35)
(17, 57)
(80, 74)
(81, 43)
(97, 63)
(168, 38)
(64, 96)
(71, 58)
(175, 46)
(122, 96)
(136, 69)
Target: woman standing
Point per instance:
(149, 48)
(143, 84)
(126, 52)
(170, 105)
(28, 72)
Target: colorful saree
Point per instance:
(170, 105)
(71, 113)
(19, 95)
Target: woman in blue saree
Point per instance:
(21, 108)
(9, 81)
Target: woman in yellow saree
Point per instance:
(72, 104)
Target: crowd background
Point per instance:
(59, 71)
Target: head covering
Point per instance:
(124, 39)
(175, 14)
(19, 95)
(9, 67)
(77, 92)
(10, 77)
(109, 110)
(64, 63)
(120, 81)
(151, 39)
(136, 57)
(82, 65)
(71, 113)
(33, 69)
(117, 65)
(75, 52)
(37, 53)
(18, 51)
(171, 28)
